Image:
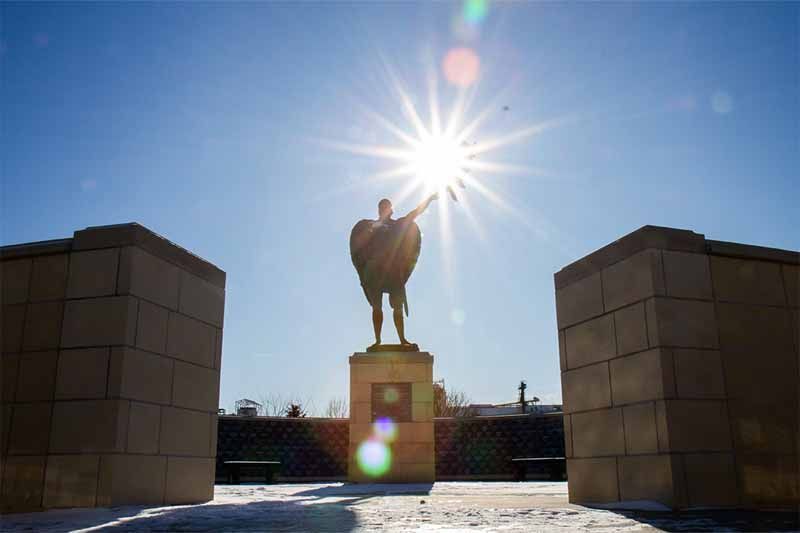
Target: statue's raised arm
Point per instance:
(417, 211)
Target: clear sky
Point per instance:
(212, 125)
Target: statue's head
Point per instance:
(385, 209)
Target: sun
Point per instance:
(439, 162)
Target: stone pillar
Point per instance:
(110, 366)
(391, 418)
(679, 371)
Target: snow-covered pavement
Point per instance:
(445, 506)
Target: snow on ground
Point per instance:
(444, 506)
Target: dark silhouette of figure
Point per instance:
(384, 252)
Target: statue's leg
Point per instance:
(396, 300)
(377, 315)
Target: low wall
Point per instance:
(111, 350)
(316, 448)
(679, 360)
(482, 447)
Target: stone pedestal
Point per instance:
(391, 418)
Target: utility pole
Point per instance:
(521, 389)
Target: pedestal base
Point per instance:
(391, 418)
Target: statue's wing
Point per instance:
(410, 246)
(359, 244)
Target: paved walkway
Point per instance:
(442, 507)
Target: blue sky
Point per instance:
(204, 122)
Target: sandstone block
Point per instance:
(682, 323)
(93, 273)
(591, 342)
(191, 340)
(562, 350)
(149, 277)
(747, 281)
(143, 428)
(651, 477)
(757, 348)
(586, 388)
(635, 278)
(30, 429)
(414, 432)
(23, 479)
(764, 428)
(138, 375)
(422, 411)
(422, 391)
(189, 480)
(82, 374)
(89, 426)
(413, 453)
(195, 387)
(579, 301)
(99, 322)
(42, 326)
(15, 279)
(643, 376)
(49, 277)
(6, 411)
(131, 479)
(593, 480)
(631, 329)
(218, 350)
(37, 376)
(641, 436)
(388, 373)
(791, 284)
(71, 480)
(184, 432)
(687, 275)
(697, 426)
(214, 434)
(361, 412)
(568, 436)
(13, 326)
(361, 392)
(699, 374)
(598, 433)
(768, 480)
(10, 366)
(711, 479)
(202, 300)
(151, 327)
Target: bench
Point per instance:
(234, 470)
(555, 466)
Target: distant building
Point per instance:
(488, 409)
(245, 407)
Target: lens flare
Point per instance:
(390, 395)
(385, 430)
(475, 10)
(374, 458)
(461, 66)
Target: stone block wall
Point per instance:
(111, 351)
(679, 360)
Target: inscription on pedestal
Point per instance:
(392, 401)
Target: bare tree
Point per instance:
(275, 404)
(337, 408)
(450, 402)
